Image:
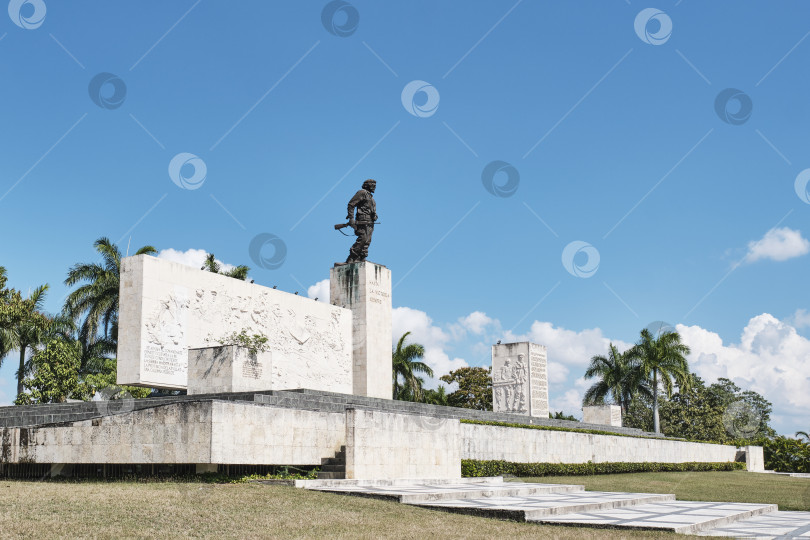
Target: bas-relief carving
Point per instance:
(165, 350)
(298, 338)
(510, 381)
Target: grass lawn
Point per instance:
(733, 486)
(148, 510)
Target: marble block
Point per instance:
(365, 289)
(520, 379)
(607, 415)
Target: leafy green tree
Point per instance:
(474, 388)
(662, 361)
(803, 435)
(407, 364)
(97, 298)
(97, 365)
(211, 265)
(619, 376)
(13, 307)
(695, 412)
(55, 375)
(706, 413)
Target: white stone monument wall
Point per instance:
(167, 308)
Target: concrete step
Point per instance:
(419, 494)
(540, 504)
(356, 483)
(341, 468)
(685, 517)
(774, 524)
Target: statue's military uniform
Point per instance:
(363, 201)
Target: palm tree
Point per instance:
(803, 434)
(620, 377)
(93, 350)
(662, 359)
(436, 397)
(97, 299)
(406, 365)
(211, 265)
(28, 332)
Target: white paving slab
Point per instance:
(535, 506)
(420, 493)
(677, 516)
(773, 525)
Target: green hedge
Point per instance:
(474, 467)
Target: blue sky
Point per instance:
(611, 132)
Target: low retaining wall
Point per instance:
(208, 432)
(250, 434)
(526, 445)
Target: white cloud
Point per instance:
(557, 373)
(434, 339)
(569, 403)
(771, 359)
(476, 322)
(320, 291)
(567, 347)
(778, 245)
(191, 257)
(800, 319)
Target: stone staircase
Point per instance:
(335, 467)
(560, 504)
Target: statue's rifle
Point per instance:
(340, 226)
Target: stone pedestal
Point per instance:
(214, 370)
(365, 289)
(520, 379)
(607, 415)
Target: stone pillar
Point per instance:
(754, 458)
(520, 379)
(606, 415)
(365, 289)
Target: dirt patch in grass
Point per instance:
(148, 510)
(733, 486)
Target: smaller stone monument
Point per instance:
(520, 379)
(607, 415)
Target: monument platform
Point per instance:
(383, 438)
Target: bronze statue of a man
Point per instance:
(363, 223)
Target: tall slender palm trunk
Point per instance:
(656, 423)
(21, 373)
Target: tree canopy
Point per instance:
(474, 388)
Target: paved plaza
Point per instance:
(562, 504)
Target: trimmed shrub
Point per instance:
(476, 468)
